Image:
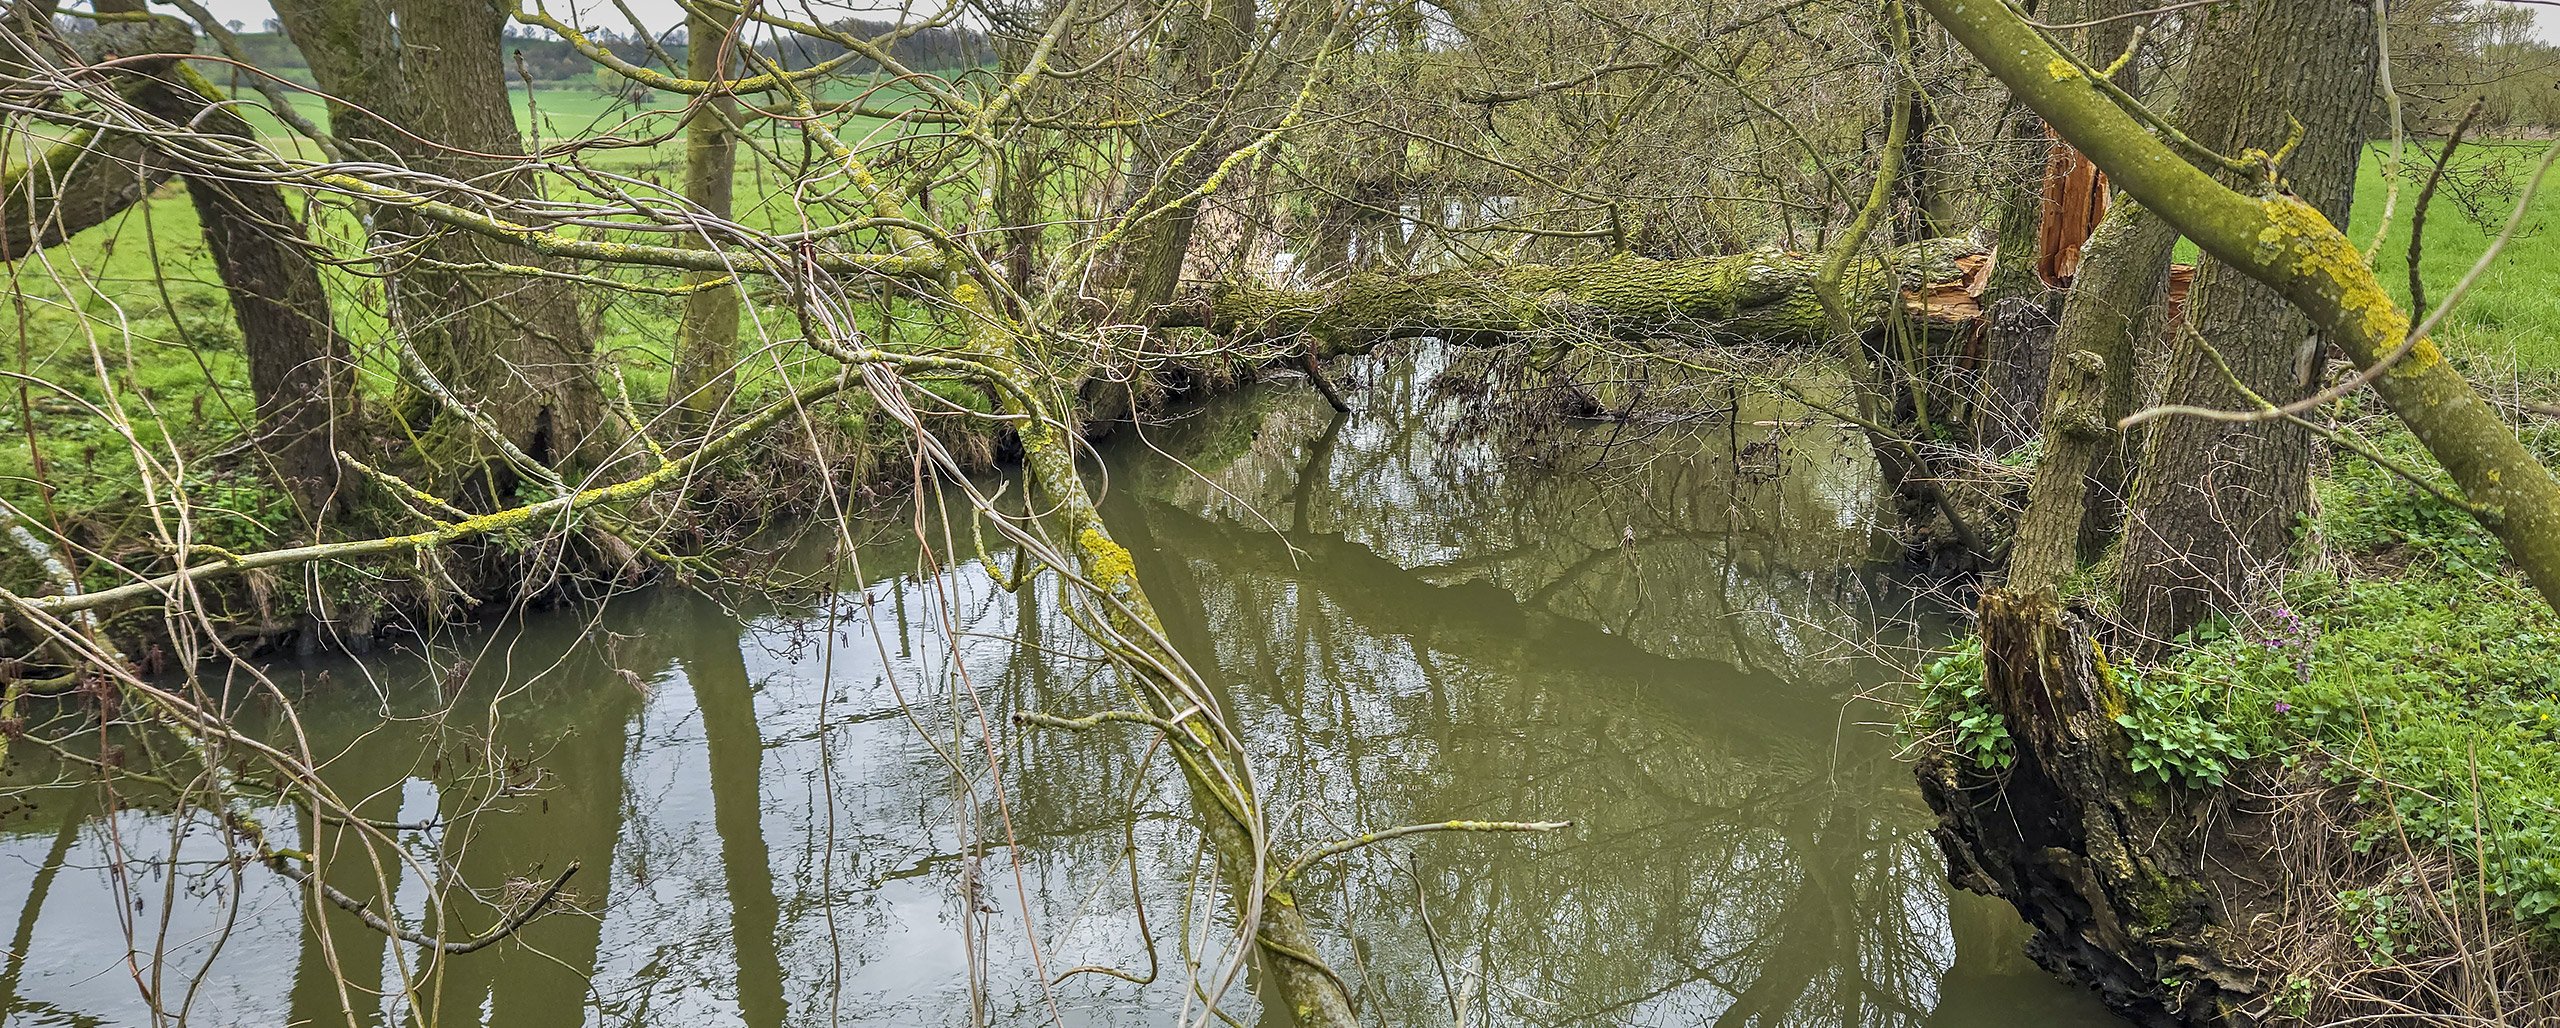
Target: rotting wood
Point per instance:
(1760, 297)
(2102, 864)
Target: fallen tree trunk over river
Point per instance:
(1764, 296)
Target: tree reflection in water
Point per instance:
(1656, 642)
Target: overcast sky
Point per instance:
(665, 14)
(658, 13)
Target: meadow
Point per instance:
(129, 319)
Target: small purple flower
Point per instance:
(2283, 708)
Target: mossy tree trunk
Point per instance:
(1203, 49)
(300, 375)
(2123, 278)
(425, 84)
(2046, 547)
(700, 382)
(1765, 297)
(2104, 866)
(2216, 504)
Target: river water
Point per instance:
(806, 805)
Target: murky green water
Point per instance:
(804, 810)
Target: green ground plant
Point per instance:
(2405, 661)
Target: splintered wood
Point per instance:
(1957, 302)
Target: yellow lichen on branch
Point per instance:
(2283, 242)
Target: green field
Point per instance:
(2511, 317)
(2506, 323)
(137, 298)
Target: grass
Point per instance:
(2506, 322)
(2511, 317)
(2404, 658)
(2408, 661)
(130, 316)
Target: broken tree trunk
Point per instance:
(1762, 297)
(2124, 277)
(2105, 866)
(2075, 204)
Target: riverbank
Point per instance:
(1658, 631)
(2344, 801)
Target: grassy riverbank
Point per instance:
(2404, 658)
(2376, 745)
(2368, 764)
(129, 332)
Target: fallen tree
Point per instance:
(1764, 296)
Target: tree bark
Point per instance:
(300, 370)
(1203, 52)
(700, 382)
(300, 374)
(424, 84)
(2078, 489)
(1765, 297)
(2075, 428)
(2104, 867)
(2215, 505)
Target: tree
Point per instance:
(1200, 52)
(2284, 242)
(707, 340)
(301, 375)
(503, 384)
(2217, 501)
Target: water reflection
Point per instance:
(815, 811)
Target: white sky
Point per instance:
(659, 14)
(664, 13)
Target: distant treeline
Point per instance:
(2448, 56)
(549, 59)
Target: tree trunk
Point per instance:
(425, 84)
(700, 382)
(1926, 204)
(1755, 297)
(2020, 304)
(1021, 172)
(2073, 502)
(2216, 503)
(2103, 866)
(2075, 429)
(1204, 49)
(2018, 308)
(300, 371)
(300, 374)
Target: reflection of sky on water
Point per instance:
(1427, 634)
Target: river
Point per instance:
(805, 804)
